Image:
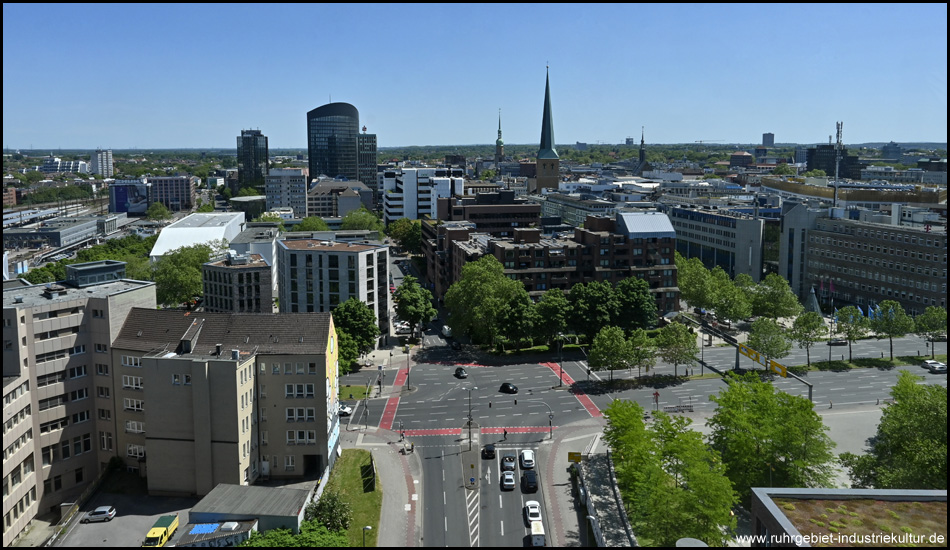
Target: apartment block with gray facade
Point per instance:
(317, 276)
(225, 398)
(59, 427)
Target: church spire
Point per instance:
(547, 150)
(643, 153)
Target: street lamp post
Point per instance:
(470, 418)
(365, 529)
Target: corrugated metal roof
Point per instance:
(645, 225)
(252, 501)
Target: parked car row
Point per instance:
(526, 459)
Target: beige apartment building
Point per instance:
(58, 386)
(209, 398)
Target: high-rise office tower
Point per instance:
(101, 163)
(252, 159)
(549, 163)
(332, 132)
(366, 162)
(335, 146)
(768, 139)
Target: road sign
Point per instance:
(574, 457)
(471, 480)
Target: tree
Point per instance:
(676, 344)
(157, 212)
(271, 217)
(672, 485)
(642, 351)
(205, 208)
(769, 339)
(408, 233)
(312, 223)
(413, 303)
(809, 328)
(815, 174)
(552, 310)
(695, 283)
(349, 351)
(518, 317)
(784, 170)
(356, 319)
(852, 325)
(889, 319)
(931, 324)
(773, 298)
(177, 274)
(769, 438)
(312, 535)
(610, 351)
(636, 307)
(331, 511)
(593, 305)
(909, 450)
(361, 219)
(477, 300)
(728, 301)
(248, 192)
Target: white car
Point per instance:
(527, 459)
(508, 481)
(102, 513)
(345, 410)
(532, 511)
(929, 364)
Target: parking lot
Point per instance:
(135, 514)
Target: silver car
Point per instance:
(102, 513)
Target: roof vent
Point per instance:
(18, 299)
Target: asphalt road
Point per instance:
(433, 408)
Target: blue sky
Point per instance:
(122, 76)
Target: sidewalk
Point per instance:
(400, 473)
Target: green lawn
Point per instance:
(358, 392)
(353, 478)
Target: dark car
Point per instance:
(529, 481)
(488, 451)
(460, 373)
(508, 387)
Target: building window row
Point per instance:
(15, 445)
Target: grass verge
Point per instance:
(353, 478)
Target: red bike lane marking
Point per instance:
(392, 404)
(579, 394)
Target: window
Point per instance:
(176, 379)
(83, 416)
(77, 372)
(102, 348)
(135, 451)
(105, 414)
(132, 382)
(187, 379)
(130, 361)
(133, 404)
(288, 368)
(79, 395)
(102, 391)
(289, 463)
(134, 426)
(288, 390)
(102, 370)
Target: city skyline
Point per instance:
(423, 76)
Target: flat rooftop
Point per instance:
(33, 296)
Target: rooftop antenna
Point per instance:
(838, 126)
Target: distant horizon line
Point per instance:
(491, 145)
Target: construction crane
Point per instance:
(708, 140)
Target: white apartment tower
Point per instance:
(414, 192)
(102, 163)
(287, 187)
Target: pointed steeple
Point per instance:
(643, 153)
(547, 150)
(499, 141)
